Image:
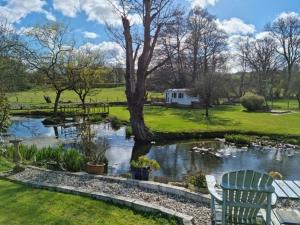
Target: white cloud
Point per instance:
(67, 7)
(113, 52)
(15, 10)
(262, 35)
(287, 14)
(236, 26)
(202, 3)
(90, 35)
(101, 11)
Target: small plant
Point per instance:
(145, 162)
(28, 153)
(253, 102)
(49, 154)
(72, 160)
(128, 131)
(95, 118)
(197, 180)
(115, 123)
(96, 153)
(238, 139)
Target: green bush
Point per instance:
(115, 123)
(238, 139)
(145, 162)
(128, 131)
(28, 153)
(252, 102)
(72, 160)
(49, 154)
(197, 180)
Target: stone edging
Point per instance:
(150, 185)
(137, 205)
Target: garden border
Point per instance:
(137, 205)
(151, 185)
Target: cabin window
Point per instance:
(180, 95)
(174, 95)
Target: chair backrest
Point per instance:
(244, 193)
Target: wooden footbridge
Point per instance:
(98, 108)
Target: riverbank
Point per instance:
(183, 123)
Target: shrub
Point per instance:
(238, 139)
(128, 131)
(145, 162)
(28, 153)
(49, 154)
(72, 160)
(116, 123)
(198, 180)
(252, 102)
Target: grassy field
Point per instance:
(23, 205)
(223, 118)
(35, 96)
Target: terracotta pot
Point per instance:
(95, 169)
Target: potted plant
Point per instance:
(94, 150)
(141, 168)
(96, 159)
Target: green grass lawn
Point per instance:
(285, 104)
(35, 96)
(23, 205)
(223, 118)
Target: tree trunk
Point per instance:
(298, 98)
(57, 97)
(82, 99)
(288, 82)
(139, 129)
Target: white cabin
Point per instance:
(180, 97)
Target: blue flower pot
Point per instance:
(140, 173)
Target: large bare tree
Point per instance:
(286, 30)
(48, 50)
(260, 57)
(208, 44)
(140, 43)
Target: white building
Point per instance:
(180, 97)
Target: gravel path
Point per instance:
(199, 211)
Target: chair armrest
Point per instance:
(211, 186)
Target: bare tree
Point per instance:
(198, 22)
(48, 50)
(172, 45)
(286, 30)
(208, 45)
(260, 56)
(139, 47)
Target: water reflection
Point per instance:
(176, 159)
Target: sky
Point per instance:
(86, 18)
